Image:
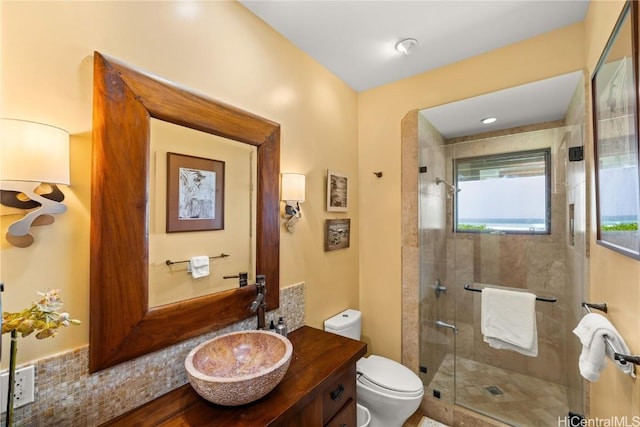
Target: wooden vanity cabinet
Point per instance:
(337, 397)
(319, 389)
(346, 417)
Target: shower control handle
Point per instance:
(441, 324)
(440, 288)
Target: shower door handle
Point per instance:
(441, 324)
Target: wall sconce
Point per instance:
(33, 158)
(292, 194)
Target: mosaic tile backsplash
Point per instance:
(67, 395)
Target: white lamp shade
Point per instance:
(293, 187)
(32, 151)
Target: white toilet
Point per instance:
(390, 391)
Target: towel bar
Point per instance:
(601, 307)
(468, 287)
(620, 357)
(169, 262)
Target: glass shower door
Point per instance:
(523, 244)
(437, 317)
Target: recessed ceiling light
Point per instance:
(488, 120)
(406, 45)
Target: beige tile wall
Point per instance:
(536, 263)
(67, 395)
(410, 247)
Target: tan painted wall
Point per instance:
(614, 278)
(216, 48)
(380, 111)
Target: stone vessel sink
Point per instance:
(238, 367)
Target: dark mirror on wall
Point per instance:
(615, 116)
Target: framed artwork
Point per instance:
(337, 191)
(337, 234)
(615, 122)
(195, 193)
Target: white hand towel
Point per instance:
(508, 320)
(199, 266)
(591, 330)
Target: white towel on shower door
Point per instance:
(508, 320)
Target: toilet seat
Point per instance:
(388, 377)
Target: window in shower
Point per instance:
(504, 193)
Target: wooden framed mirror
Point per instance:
(122, 326)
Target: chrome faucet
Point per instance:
(259, 305)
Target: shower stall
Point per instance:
(507, 211)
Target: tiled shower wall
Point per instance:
(67, 395)
(536, 263)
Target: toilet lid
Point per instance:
(389, 374)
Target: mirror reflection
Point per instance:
(175, 282)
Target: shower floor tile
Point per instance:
(525, 400)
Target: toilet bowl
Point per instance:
(390, 391)
(363, 416)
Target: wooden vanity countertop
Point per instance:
(318, 357)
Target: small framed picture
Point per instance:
(337, 191)
(195, 193)
(337, 234)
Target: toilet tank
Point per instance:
(347, 323)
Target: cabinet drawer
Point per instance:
(338, 393)
(346, 417)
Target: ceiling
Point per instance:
(538, 102)
(356, 41)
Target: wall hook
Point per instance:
(378, 174)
